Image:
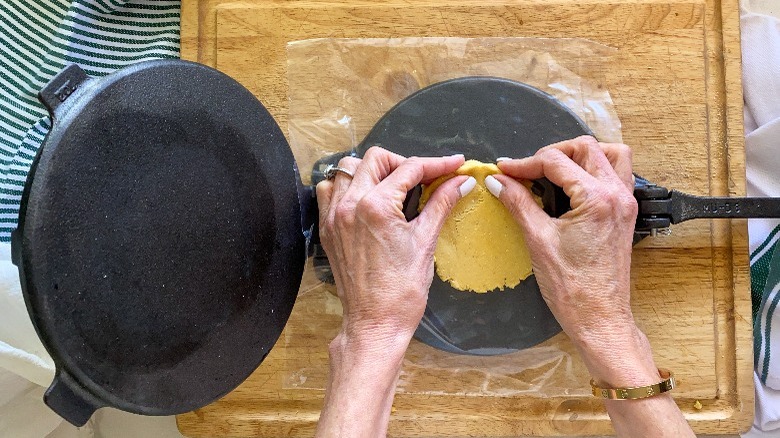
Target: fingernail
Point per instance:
(493, 186)
(458, 156)
(500, 159)
(467, 186)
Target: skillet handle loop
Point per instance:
(61, 87)
(70, 400)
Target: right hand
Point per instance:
(582, 260)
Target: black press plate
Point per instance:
(484, 118)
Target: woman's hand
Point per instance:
(582, 262)
(382, 264)
(383, 267)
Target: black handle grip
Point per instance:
(61, 87)
(70, 400)
(684, 207)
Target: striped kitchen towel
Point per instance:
(766, 328)
(37, 39)
(761, 259)
(767, 345)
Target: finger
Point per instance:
(415, 170)
(377, 164)
(520, 203)
(595, 158)
(324, 195)
(441, 203)
(620, 157)
(342, 182)
(587, 152)
(554, 165)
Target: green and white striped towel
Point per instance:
(768, 267)
(37, 39)
(761, 260)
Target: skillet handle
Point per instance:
(61, 87)
(70, 400)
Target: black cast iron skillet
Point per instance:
(159, 244)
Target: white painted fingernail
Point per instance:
(467, 186)
(493, 186)
(500, 159)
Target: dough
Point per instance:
(481, 248)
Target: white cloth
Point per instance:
(760, 29)
(20, 349)
(761, 87)
(22, 415)
(768, 417)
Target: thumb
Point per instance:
(520, 203)
(440, 204)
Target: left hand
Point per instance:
(382, 264)
(383, 267)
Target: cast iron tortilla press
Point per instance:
(484, 119)
(163, 229)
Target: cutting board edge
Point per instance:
(735, 136)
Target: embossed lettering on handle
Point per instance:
(716, 207)
(61, 87)
(65, 90)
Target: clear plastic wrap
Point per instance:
(339, 88)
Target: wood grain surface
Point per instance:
(675, 82)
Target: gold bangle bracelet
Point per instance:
(638, 392)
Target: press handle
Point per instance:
(70, 400)
(684, 207)
(61, 87)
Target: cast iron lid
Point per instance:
(159, 245)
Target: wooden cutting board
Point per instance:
(675, 82)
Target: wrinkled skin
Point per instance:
(382, 264)
(383, 267)
(582, 260)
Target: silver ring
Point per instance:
(331, 171)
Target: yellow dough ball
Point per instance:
(481, 248)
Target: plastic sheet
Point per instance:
(339, 88)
